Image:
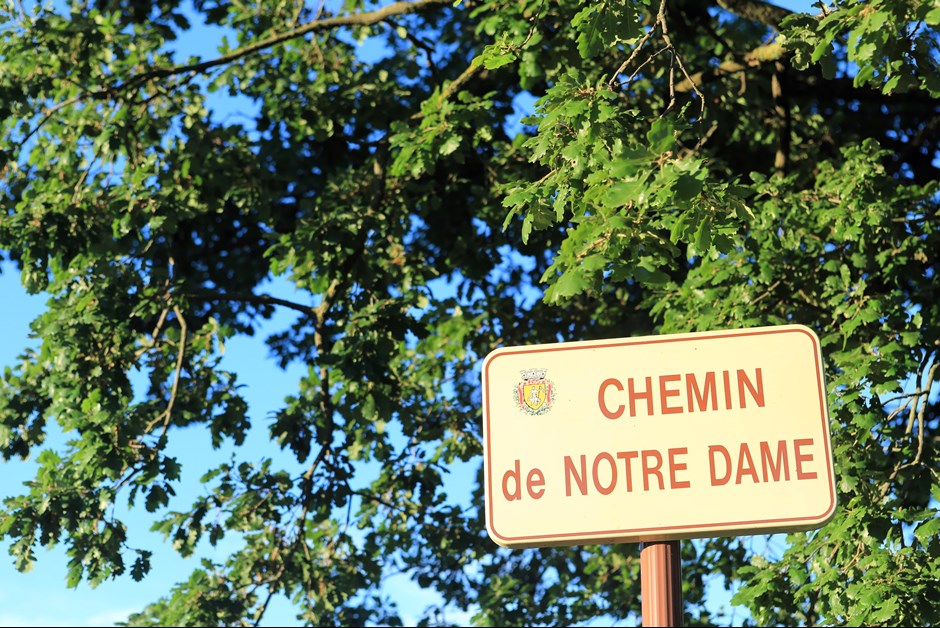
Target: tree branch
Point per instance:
(167, 414)
(661, 20)
(458, 82)
(250, 297)
(756, 10)
(761, 54)
(158, 328)
(358, 19)
(781, 118)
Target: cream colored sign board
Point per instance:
(657, 438)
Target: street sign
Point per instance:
(657, 438)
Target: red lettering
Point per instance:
(775, 465)
(606, 477)
(799, 457)
(604, 490)
(627, 457)
(665, 393)
(756, 394)
(649, 470)
(580, 479)
(601, 401)
(677, 466)
(634, 395)
(701, 395)
(512, 474)
(745, 464)
(781, 462)
(701, 392)
(533, 482)
(712, 450)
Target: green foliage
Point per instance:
(893, 44)
(684, 167)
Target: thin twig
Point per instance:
(259, 614)
(648, 60)
(419, 43)
(177, 373)
(359, 19)
(919, 418)
(636, 51)
(156, 332)
(661, 19)
(47, 115)
(767, 291)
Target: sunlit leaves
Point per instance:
(893, 45)
(417, 215)
(603, 25)
(620, 197)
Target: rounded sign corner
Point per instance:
(497, 538)
(829, 514)
(809, 331)
(492, 355)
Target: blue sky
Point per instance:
(40, 597)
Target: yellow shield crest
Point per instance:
(534, 394)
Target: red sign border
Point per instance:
(660, 533)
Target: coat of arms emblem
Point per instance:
(534, 394)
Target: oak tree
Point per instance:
(684, 166)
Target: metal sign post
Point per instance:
(661, 583)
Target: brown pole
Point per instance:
(661, 583)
